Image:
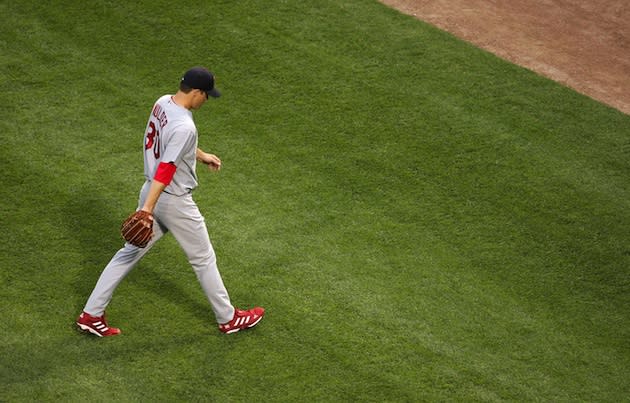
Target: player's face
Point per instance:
(199, 99)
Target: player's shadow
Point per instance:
(96, 228)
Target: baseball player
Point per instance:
(170, 156)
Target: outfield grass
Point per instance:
(422, 221)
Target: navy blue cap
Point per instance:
(201, 79)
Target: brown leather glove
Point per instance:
(137, 229)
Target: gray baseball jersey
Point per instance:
(171, 136)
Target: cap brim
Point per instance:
(214, 93)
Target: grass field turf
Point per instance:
(422, 221)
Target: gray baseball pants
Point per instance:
(180, 216)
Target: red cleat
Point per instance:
(243, 320)
(96, 325)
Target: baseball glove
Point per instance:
(137, 229)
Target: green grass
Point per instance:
(422, 221)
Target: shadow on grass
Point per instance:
(62, 365)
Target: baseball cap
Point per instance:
(201, 79)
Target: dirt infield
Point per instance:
(582, 44)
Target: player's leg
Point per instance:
(116, 270)
(188, 227)
(92, 318)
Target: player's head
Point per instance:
(199, 78)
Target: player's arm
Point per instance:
(154, 194)
(163, 176)
(211, 160)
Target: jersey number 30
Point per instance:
(153, 140)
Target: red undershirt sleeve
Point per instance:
(165, 172)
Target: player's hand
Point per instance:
(213, 162)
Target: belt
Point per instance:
(175, 194)
(189, 191)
